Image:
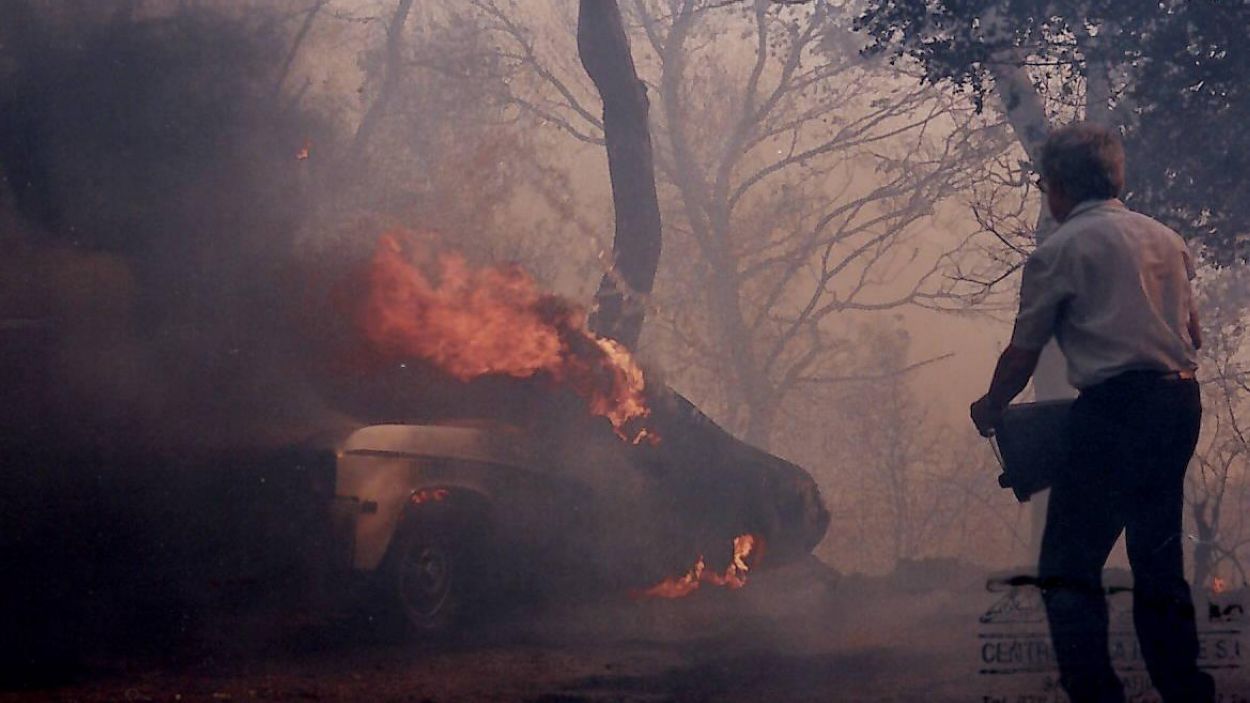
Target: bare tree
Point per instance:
(794, 180)
(1218, 483)
(901, 484)
(1042, 73)
(800, 195)
(1045, 64)
(426, 143)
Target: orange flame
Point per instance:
(1218, 585)
(735, 575)
(471, 322)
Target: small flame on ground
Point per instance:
(734, 577)
(471, 322)
(1218, 585)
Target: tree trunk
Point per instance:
(760, 424)
(1205, 525)
(620, 303)
(749, 385)
(390, 80)
(291, 53)
(333, 177)
(1026, 113)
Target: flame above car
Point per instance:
(429, 303)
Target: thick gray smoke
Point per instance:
(151, 305)
(151, 190)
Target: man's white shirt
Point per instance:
(1113, 287)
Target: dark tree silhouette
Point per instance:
(1189, 146)
(604, 51)
(1171, 75)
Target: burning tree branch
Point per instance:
(604, 51)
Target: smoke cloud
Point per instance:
(152, 192)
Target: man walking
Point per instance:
(1112, 286)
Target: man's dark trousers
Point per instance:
(1132, 438)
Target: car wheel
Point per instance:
(433, 575)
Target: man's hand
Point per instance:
(985, 415)
(1011, 375)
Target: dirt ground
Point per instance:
(796, 634)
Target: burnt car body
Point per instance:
(443, 518)
(128, 547)
(446, 517)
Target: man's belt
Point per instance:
(1147, 375)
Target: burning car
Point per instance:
(446, 518)
(577, 472)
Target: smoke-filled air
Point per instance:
(624, 350)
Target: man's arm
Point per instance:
(1044, 291)
(1191, 272)
(1011, 374)
(1195, 329)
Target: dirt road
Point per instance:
(791, 635)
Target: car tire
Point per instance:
(432, 579)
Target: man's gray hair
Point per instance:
(1086, 160)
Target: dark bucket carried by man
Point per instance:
(1033, 444)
